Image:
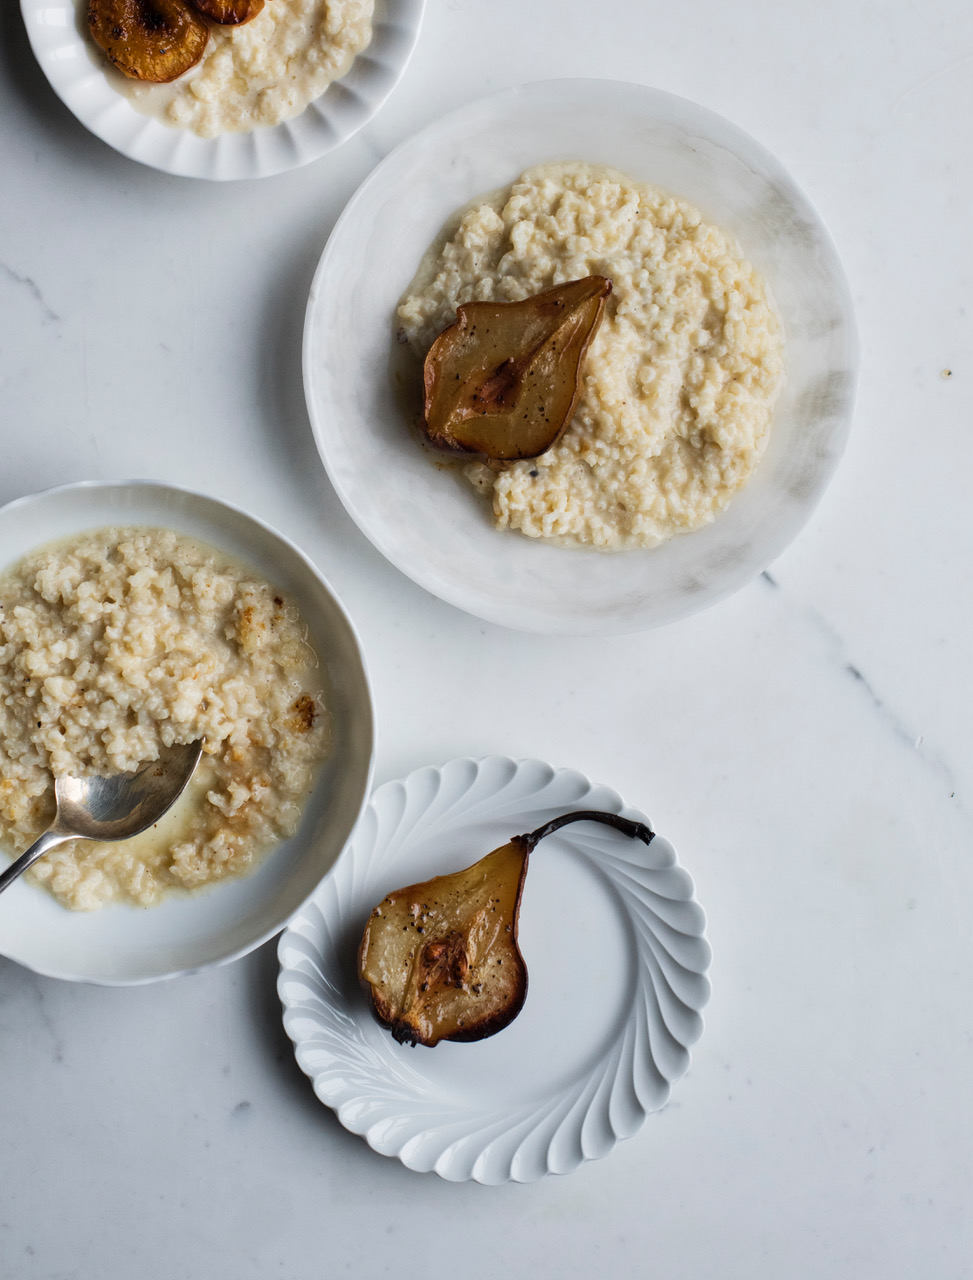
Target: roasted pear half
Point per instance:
(504, 380)
(155, 40)
(229, 13)
(440, 959)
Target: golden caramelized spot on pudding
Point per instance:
(305, 712)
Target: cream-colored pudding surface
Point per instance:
(123, 641)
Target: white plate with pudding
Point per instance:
(82, 78)
(416, 507)
(615, 946)
(188, 930)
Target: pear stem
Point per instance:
(637, 830)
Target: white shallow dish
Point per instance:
(424, 518)
(120, 944)
(76, 73)
(614, 945)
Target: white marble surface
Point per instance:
(805, 745)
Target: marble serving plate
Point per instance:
(424, 518)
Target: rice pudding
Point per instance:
(680, 379)
(120, 642)
(262, 72)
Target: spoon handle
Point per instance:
(37, 850)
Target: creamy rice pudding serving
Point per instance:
(262, 72)
(123, 641)
(681, 376)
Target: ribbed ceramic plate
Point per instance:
(614, 945)
(76, 73)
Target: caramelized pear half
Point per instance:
(441, 959)
(503, 381)
(229, 13)
(155, 40)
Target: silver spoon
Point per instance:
(113, 808)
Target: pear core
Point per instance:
(441, 959)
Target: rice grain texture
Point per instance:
(123, 641)
(680, 380)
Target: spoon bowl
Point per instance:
(115, 807)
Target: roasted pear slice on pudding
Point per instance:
(441, 959)
(504, 380)
(154, 40)
(229, 13)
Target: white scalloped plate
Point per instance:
(76, 74)
(614, 945)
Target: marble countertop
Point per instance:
(805, 744)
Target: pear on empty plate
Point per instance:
(441, 959)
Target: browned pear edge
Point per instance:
(447, 444)
(94, 14)
(223, 12)
(404, 1032)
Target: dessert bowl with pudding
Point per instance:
(135, 616)
(225, 98)
(715, 396)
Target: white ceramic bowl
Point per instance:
(424, 518)
(77, 75)
(118, 944)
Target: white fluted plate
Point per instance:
(614, 945)
(76, 73)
